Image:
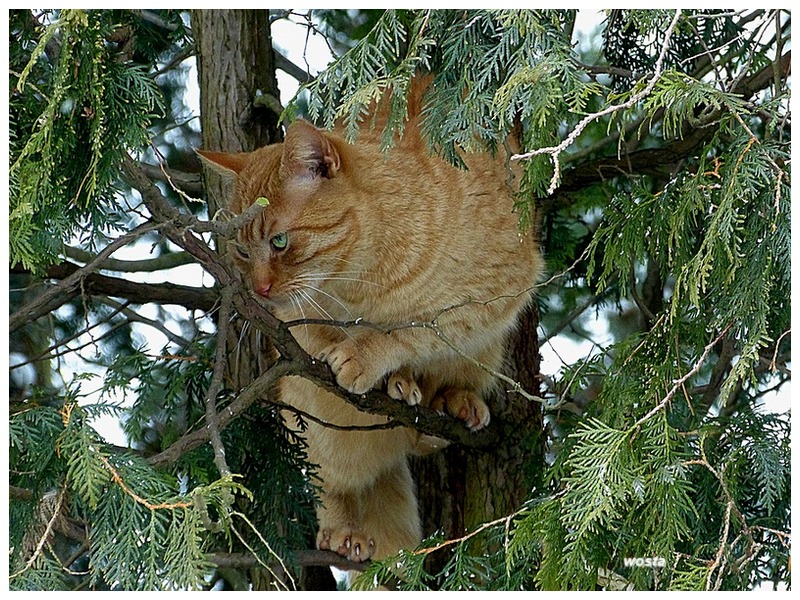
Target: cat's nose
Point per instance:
(263, 289)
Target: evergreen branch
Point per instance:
(772, 364)
(287, 66)
(730, 508)
(678, 384)
(180, 221)
(501, 521)
(720, 551)
(659, 161)
(555, 151)
(47, 532)
(433, 326)
(117, 478)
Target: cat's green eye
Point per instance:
(279, 241)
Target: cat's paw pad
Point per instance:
(350, 369)
(465, 405)
(401, 386)
(353, 545)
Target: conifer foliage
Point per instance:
(656, 160)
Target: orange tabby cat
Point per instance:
(393, 238)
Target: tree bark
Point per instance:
(236, 64)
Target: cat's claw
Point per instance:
(465, 405)
(401, 386)
(353, 545)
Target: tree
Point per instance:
(656, 167)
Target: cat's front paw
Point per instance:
(402, 386)
(353, 545)
(353, 371)
(463, 404)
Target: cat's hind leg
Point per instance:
(373, 522)
(390, 512)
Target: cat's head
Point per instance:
(302, 241)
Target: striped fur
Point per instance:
(392, 239)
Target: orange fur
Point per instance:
(391, 238)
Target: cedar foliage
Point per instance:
(668, 213)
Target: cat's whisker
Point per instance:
(296, 302)
(334, 298)
(242, 335)
(337, 276)
(320, 309)
(350, 262)
(316, 306)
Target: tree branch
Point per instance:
(158, 263)
(660, 161)
(305, 558)
(193, 298)
(555, 151)
(51, 298)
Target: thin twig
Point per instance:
(555, 151)
(46, 533)
(212, 420)
(677, 385)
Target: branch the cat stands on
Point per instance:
(397, 237)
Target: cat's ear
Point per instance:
(308, 153)
(223, 163)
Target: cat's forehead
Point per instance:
(260, 177)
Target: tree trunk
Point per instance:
(236, 65)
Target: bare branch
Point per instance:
(305, 558)
(212, 423)
(51, 298)
(193, 298)
(158, 263)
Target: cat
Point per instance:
(398, 239)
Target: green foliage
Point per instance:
(76, 107)
(518, 66)
(136, 512)
(283, 482)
